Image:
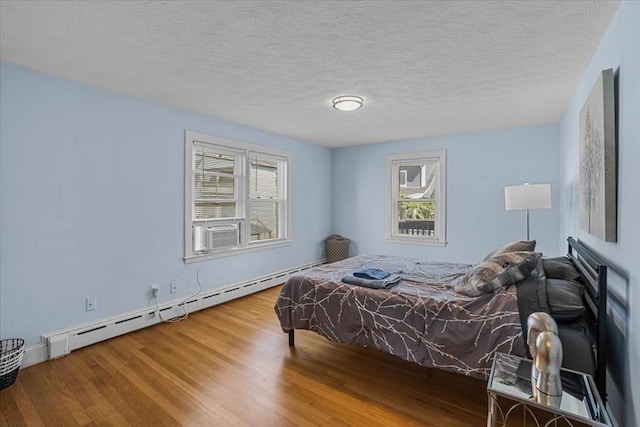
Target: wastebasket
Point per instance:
(337, 248)
(11, 352)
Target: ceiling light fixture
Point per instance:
(347, 103)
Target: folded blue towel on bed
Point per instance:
(375, 284)
(372, 274)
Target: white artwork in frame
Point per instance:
(597, 195)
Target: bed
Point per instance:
(426, 320)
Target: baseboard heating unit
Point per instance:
(61, 343)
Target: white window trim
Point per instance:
(191, 140)
(391, 234)
(403, 174)
(283, 202)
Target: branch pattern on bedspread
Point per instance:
(422, 319)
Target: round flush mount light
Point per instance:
(347, 102)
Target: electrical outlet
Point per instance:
(173, 286)
(92, 303)
(155, 290)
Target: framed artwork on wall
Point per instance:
(597, 195)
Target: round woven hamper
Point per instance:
(337, 248)
(11, 352)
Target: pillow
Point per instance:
(561, 268)
(565, 299)
(517, 246)
(577, 347)
(497, 271)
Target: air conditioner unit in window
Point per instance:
(216, 237)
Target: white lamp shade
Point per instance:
(527, 196)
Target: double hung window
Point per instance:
(416, 202)
(236, 197)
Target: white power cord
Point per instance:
(185, 314)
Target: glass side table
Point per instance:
(510, 384)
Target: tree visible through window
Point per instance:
(416, 201)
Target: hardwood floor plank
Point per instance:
(24, 412)
(162, 393)
(11, 413)
(112, 385)
(231, 365)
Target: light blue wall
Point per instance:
(91, 197)
(91, 203)
(620, 50)
(479, 165)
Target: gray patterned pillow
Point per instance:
(497, 271)
(517, 246)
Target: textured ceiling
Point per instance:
(424, 68)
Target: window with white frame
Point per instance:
(235, 197)
(416, 202)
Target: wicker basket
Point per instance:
(337, 248)
(11, 352)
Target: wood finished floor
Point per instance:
(230, 365)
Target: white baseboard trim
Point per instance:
(60, 343)
(34, 354)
